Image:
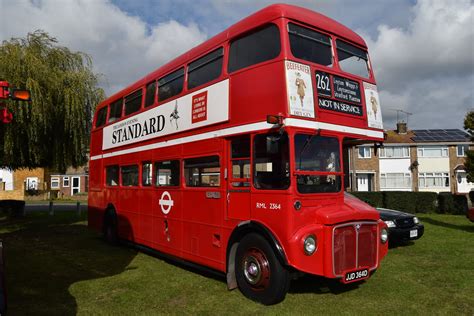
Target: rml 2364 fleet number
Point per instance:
(271, 206)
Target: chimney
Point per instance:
(401, 128)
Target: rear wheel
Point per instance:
(260, 275)
(110, 228)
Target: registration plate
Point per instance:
(413, 233)
(357, 275)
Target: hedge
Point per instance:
(415, 202)
(452, 204)
(373, 198)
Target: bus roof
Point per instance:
(257, 19)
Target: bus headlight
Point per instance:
(416, 220)
(383, 235)
(310, 245)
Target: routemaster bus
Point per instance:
(231, 156)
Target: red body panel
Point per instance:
(196, 223)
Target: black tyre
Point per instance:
(110, 228)
(260, 275)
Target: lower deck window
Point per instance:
(112, 175)
(167, 173)
(147, 176)
(129, 175)
(202, 172)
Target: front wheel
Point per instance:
(260, 275)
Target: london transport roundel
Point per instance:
(166, 202)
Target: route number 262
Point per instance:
(323, 82)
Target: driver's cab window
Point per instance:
(271, 165)
(317, 164)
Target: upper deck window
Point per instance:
(310, 45)
(133, 102)
(352, 59)
(254, 48)
(115, 110)
(205, 69)
(171, 85)
(150, 94)
(101, 117)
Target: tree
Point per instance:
(469, 163)
(53, 130)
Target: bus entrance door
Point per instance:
(238, 185)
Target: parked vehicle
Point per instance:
(402, 226)
(470, 214)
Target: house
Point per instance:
(72, 182)
(14, 184)
(39, 183)
(412, 160)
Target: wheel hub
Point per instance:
(256, 269)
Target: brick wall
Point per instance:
(370, 165)
(12, 195)
(19, 178)
(454, 161)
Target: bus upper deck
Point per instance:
(290, 62)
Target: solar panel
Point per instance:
(440, 135)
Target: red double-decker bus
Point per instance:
(232, 155)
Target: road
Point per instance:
(57, 207)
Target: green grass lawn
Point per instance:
(56, 266)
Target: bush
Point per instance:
(460, 204)
(425, 202)
(445, 203)
(373, 198)
(412, 202)
(400, 201)
(12, 208)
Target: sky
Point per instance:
(422, 51)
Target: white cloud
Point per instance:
(428, 67)
(422, 53)
(123, 47)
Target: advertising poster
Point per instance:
(299, 89)
(372, 101)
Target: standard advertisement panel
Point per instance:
(203, 107)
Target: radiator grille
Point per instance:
(354, 246)
(404, 222)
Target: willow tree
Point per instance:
(469, 163)
(52, 130)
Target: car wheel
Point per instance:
(260, 275)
